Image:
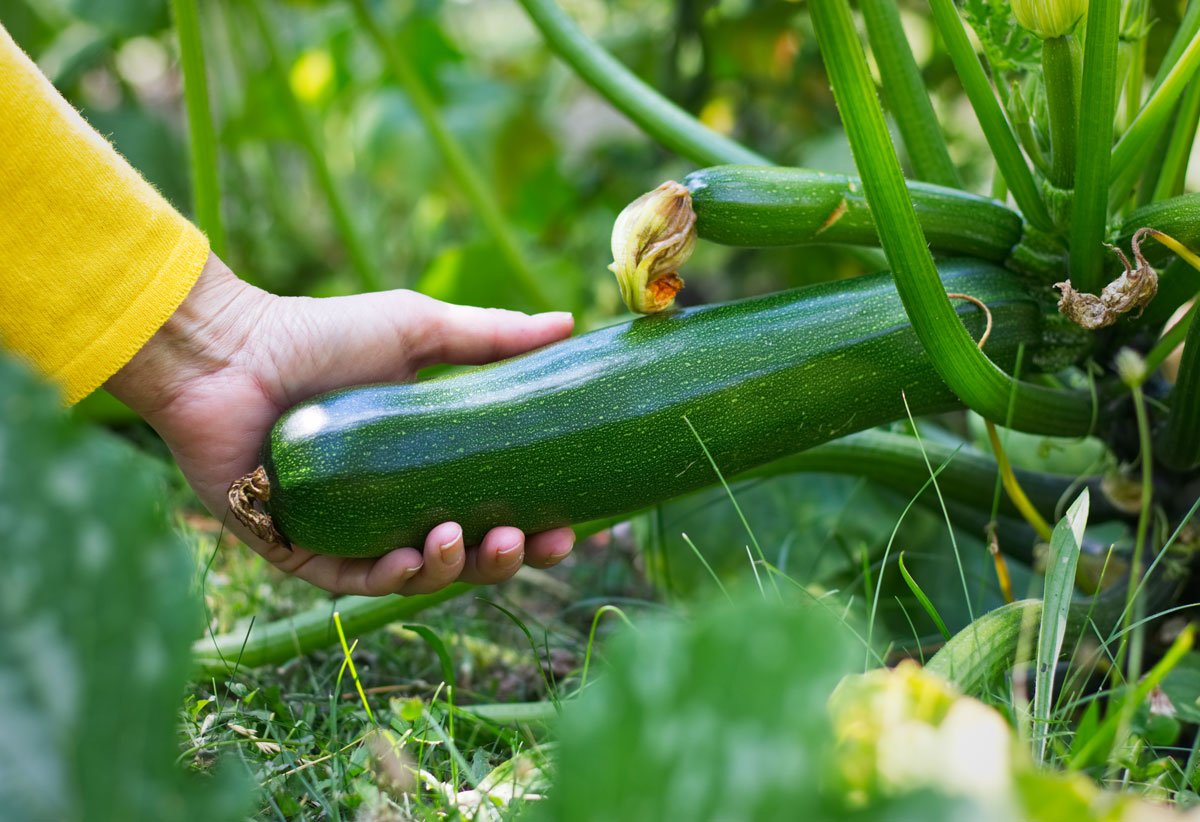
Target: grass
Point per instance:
(317, 734)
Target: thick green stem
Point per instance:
(305, 132)
(1058, 72)
(898, 462)
(1097, 104)
(991, 117)
(656, 115)
(1180, 446)
(464, 172)
(904, 91)
(1168, 342)
(271, 643)
(202, 140)
(1135, 145)
(977, 381)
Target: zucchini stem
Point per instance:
(979, 382)
(904, 91)
(660, 118)
(1097, 104)
(246, 495)
(1059, 59)
(996, 128)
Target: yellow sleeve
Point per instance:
(92, 259)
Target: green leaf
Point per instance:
(1007, 46)
(923, 599)
(98, 609)
(725, 713)
(723, 717)
(1056, 606)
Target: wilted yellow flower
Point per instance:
(652, 238)
(1049, 18)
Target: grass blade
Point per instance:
(1056, 605)
(923, 599)
(1101, 742)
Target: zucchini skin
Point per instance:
(758, 206)
(594, 426)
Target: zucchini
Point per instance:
(594, 426)
(772, 206)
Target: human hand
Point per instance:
(232, 358)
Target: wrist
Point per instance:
(201, 338)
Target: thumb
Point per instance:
(465, 335)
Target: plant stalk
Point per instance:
(306, 133)
(1172, 173)
(979, 383)
(464, 172)
(995, 125)
(904, 91)
(1180, 444)
(1059, 74)
(1096, 109)
(202, 140)
(670, 125)
(1135, 145)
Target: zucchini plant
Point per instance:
(1075, 259)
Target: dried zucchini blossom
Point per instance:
(1132, 290)
(652, 238)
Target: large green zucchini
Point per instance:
(771, 206)
(594, 426)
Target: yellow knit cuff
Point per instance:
(161, 294)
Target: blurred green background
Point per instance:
(560, 161)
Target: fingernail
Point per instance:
(556, 315)
(451, 546)
(559, 555)
(509, 553)
(411, 572)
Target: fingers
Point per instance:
(497, 558)
(549, 548)
(463, 335)
(445, 560)
(364, 576)
(445, 556)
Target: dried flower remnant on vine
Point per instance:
(652, 238)
(1133, 289)
(1049, 18)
